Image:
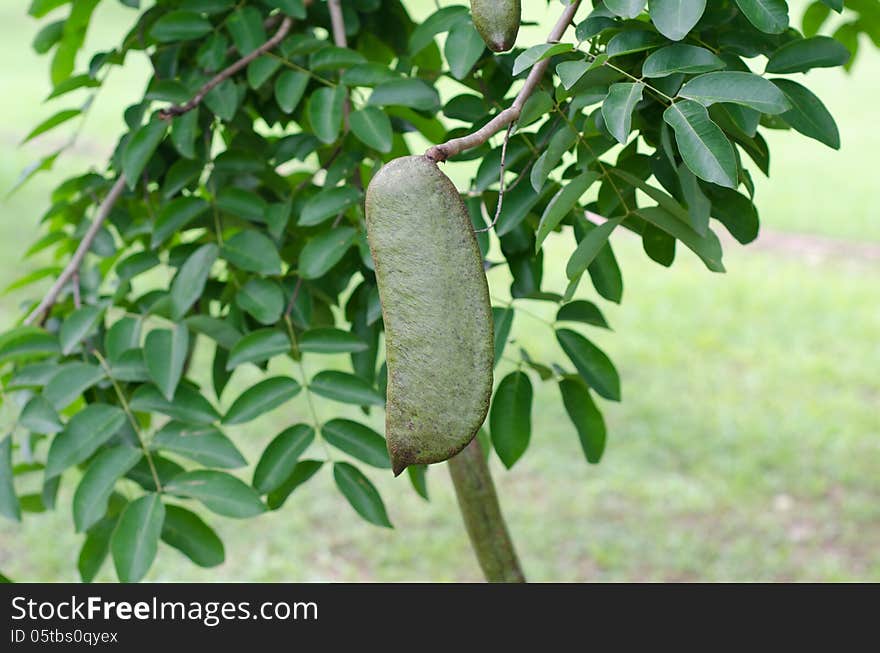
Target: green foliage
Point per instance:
(239, 244)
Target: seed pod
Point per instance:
(435, 305)
(497, 21)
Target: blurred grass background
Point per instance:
(747, 446)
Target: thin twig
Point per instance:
(223, 75)
(292, 302)
(440, 153)
(337, 22)
(500, 180)
(73, 266)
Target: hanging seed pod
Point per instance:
(435, 305)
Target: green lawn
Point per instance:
(747, 445)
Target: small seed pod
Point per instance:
(435, 305)
(497, 21)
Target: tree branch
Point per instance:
(223, 75)
(440, 153)
(85, 244)
(338, 23)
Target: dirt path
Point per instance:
(813, 248)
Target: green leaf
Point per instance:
(136, 264)
(770, 16)
(27, 342)
(39, 416)
(347, 388)
(571, 71)
(257, 347)
(464, 47)
(135, 539)
(125, 334)
(70, 381)
(703, 146)
(205, 444)
(618, 106)
(130, 366)
(140, 149)
(510, 419)
(187, 533)
(325, 250)
(219, 492)
(440, 21)
(180, 26)
(242, 204)
(630, 41)
(626, 8)
(736, 212)
(814, 17)
(414, 93)
(261, 398)
(94, 490)
(680, 58)
(84, 433)
(293, 8)
(78, 326)
(50, 123)
(165, 354)
(223, 100)
(801, 55)
(372, 127)
(358, 441)
(334, 58)
(95, 548)
(503, 321)
(416, 475)
(707, 247)
(562, 204)
(183, 133)
(262, 299)
(330, 341)
(675, 18)
(591, 362)
(325, 112)
(808, 115)
(330, 202)
(261, 70)
(742, 88)
(279, 460)
(536, 53)
(252, 251)
(559, 144)
(73, 84)
(218, 330)
(361, 494)
(188, 404)
(836, 5)
(246, 28)
(9, 506)
(190, 280)
(303, 471)
(48, 36)
(589, 247)
(289, 89)
(582, 311)
(585, 416)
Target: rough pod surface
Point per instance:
(497, 21)
(435, 304)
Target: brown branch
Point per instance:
(440, 153)
(337, 22)
(501, 189)
(72, 268)
(223, 75)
